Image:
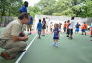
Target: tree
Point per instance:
(87, 9)
(9, 7)
(46, 6)
(34, 10)
(78, 8)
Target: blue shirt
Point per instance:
(56, 32)
(31, 20)
(39, 26)
(91, 26)
(23, 9)
(77, 25)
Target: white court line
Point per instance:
(17, 61)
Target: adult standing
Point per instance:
(71, 27)
(43, 26)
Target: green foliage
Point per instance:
(34, 10)
(46, 6)
(79, 8)
(9, 7)
(87, 9)
(68, 12)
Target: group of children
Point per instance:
(41, 27)
(68, 28)
(56, 31)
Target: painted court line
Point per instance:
(17, 61)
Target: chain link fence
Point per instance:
(4, 20)
(63, 18)
(60, 19)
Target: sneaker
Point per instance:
(53, 43)
(57, 44)
(43, 35)
(5, 55)
(91, 36)
(29, 33)
(39, 37)
(67, 36)
(71, 37)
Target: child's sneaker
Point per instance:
(29, 33)
(54, 43)
(71, 37)
(6, 56)
(67, 36)
(57, 44)
(91, 36)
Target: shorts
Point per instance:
(43, 27)
(71, 31)
(29, 26)
(77, 29)
(68, 31)
(64, 29)
(55, 37)
(39, 32)
(83, 30)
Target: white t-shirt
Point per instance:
(71, 26)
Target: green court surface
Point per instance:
(78, 50)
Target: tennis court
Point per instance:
(78, 50)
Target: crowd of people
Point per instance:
(69, 27)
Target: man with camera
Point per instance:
(13, 39)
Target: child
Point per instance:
(64, 28)
(24, 7)
(60, 26)
(51, 26)
(56, 35)
(67, 28)
(84, 28)
(30, 23)
(71, 26)
(43, 27)
(77, 27)
(91, 31)
(39, 28)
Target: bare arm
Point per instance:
(17, 38)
